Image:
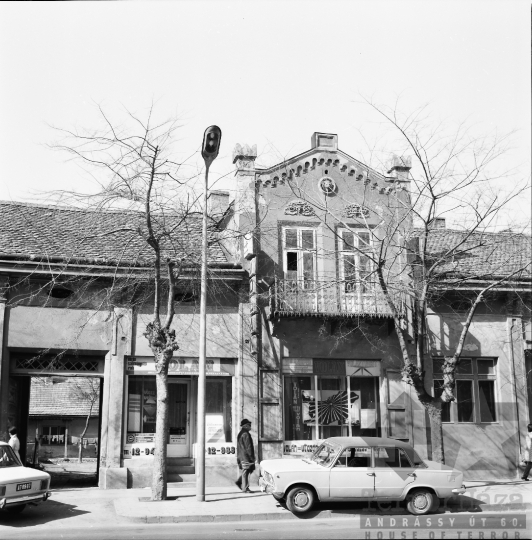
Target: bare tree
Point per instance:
(407, 259)
(86, 390)
(137, 243)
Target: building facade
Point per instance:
(301, 340)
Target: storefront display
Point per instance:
(142, 410)
(328, 398)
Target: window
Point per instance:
(475, 391)
(299, 257)
(53, 435)
(355, 457)
(391, 457)
(319, 407)
(356, 267)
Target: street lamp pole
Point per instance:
(209, 151)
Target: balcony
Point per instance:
(291, 298)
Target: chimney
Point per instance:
(325, 141)
(399, 167)
(218, 203)
(437, 223)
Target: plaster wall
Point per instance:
(484, 450)
(222, 331)
(56, 328)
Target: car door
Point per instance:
(352, 476)
(393, 472)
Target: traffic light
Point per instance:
(211, 143)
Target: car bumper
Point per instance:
(459, 491)
(33, 498)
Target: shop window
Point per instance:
(218, 401)
(319, 407)
(475, 391)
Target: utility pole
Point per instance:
(209, 151)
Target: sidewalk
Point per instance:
(229, 504)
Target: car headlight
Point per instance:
(45, 483)
(2, 491)
(268, 477)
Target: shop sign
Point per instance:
(300, 448)
(214, 428)
(140, 438)
(363, 368)
(330, 366)
(297, 365)
(176, 366)
(218, 449)
(178, 439)
(139, 445)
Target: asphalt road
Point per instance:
(97, 520)
(259, 530)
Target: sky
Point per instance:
(268, 73)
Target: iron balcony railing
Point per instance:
(290, 297)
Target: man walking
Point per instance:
(245, 455)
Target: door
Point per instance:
(299, 265)
(178, 419)
(393, 472)
(352, 476)
(356, 270)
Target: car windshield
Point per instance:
(325, 454)
(8, 457)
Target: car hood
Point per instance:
(290, 465)
(21, 474)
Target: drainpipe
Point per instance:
(514, 376)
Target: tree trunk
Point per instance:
(159, 489)
(436, 430)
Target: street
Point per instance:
(95, 517)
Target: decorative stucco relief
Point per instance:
(356, 211)
(298, 208)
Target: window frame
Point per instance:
(300, 251)
(474, 377)
(357, 253)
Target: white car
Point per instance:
(20, 485)
(361, 469)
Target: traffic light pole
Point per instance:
(209, 151)
(202, 378)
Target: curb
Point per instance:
(323, 514)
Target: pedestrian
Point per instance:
(245, 456)
(528, 453)
(14, 441)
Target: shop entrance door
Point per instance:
(178, 418)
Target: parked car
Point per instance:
(20, 485)
(361, 469)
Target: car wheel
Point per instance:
(16, 509)
(300, 500)
(421, 502)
